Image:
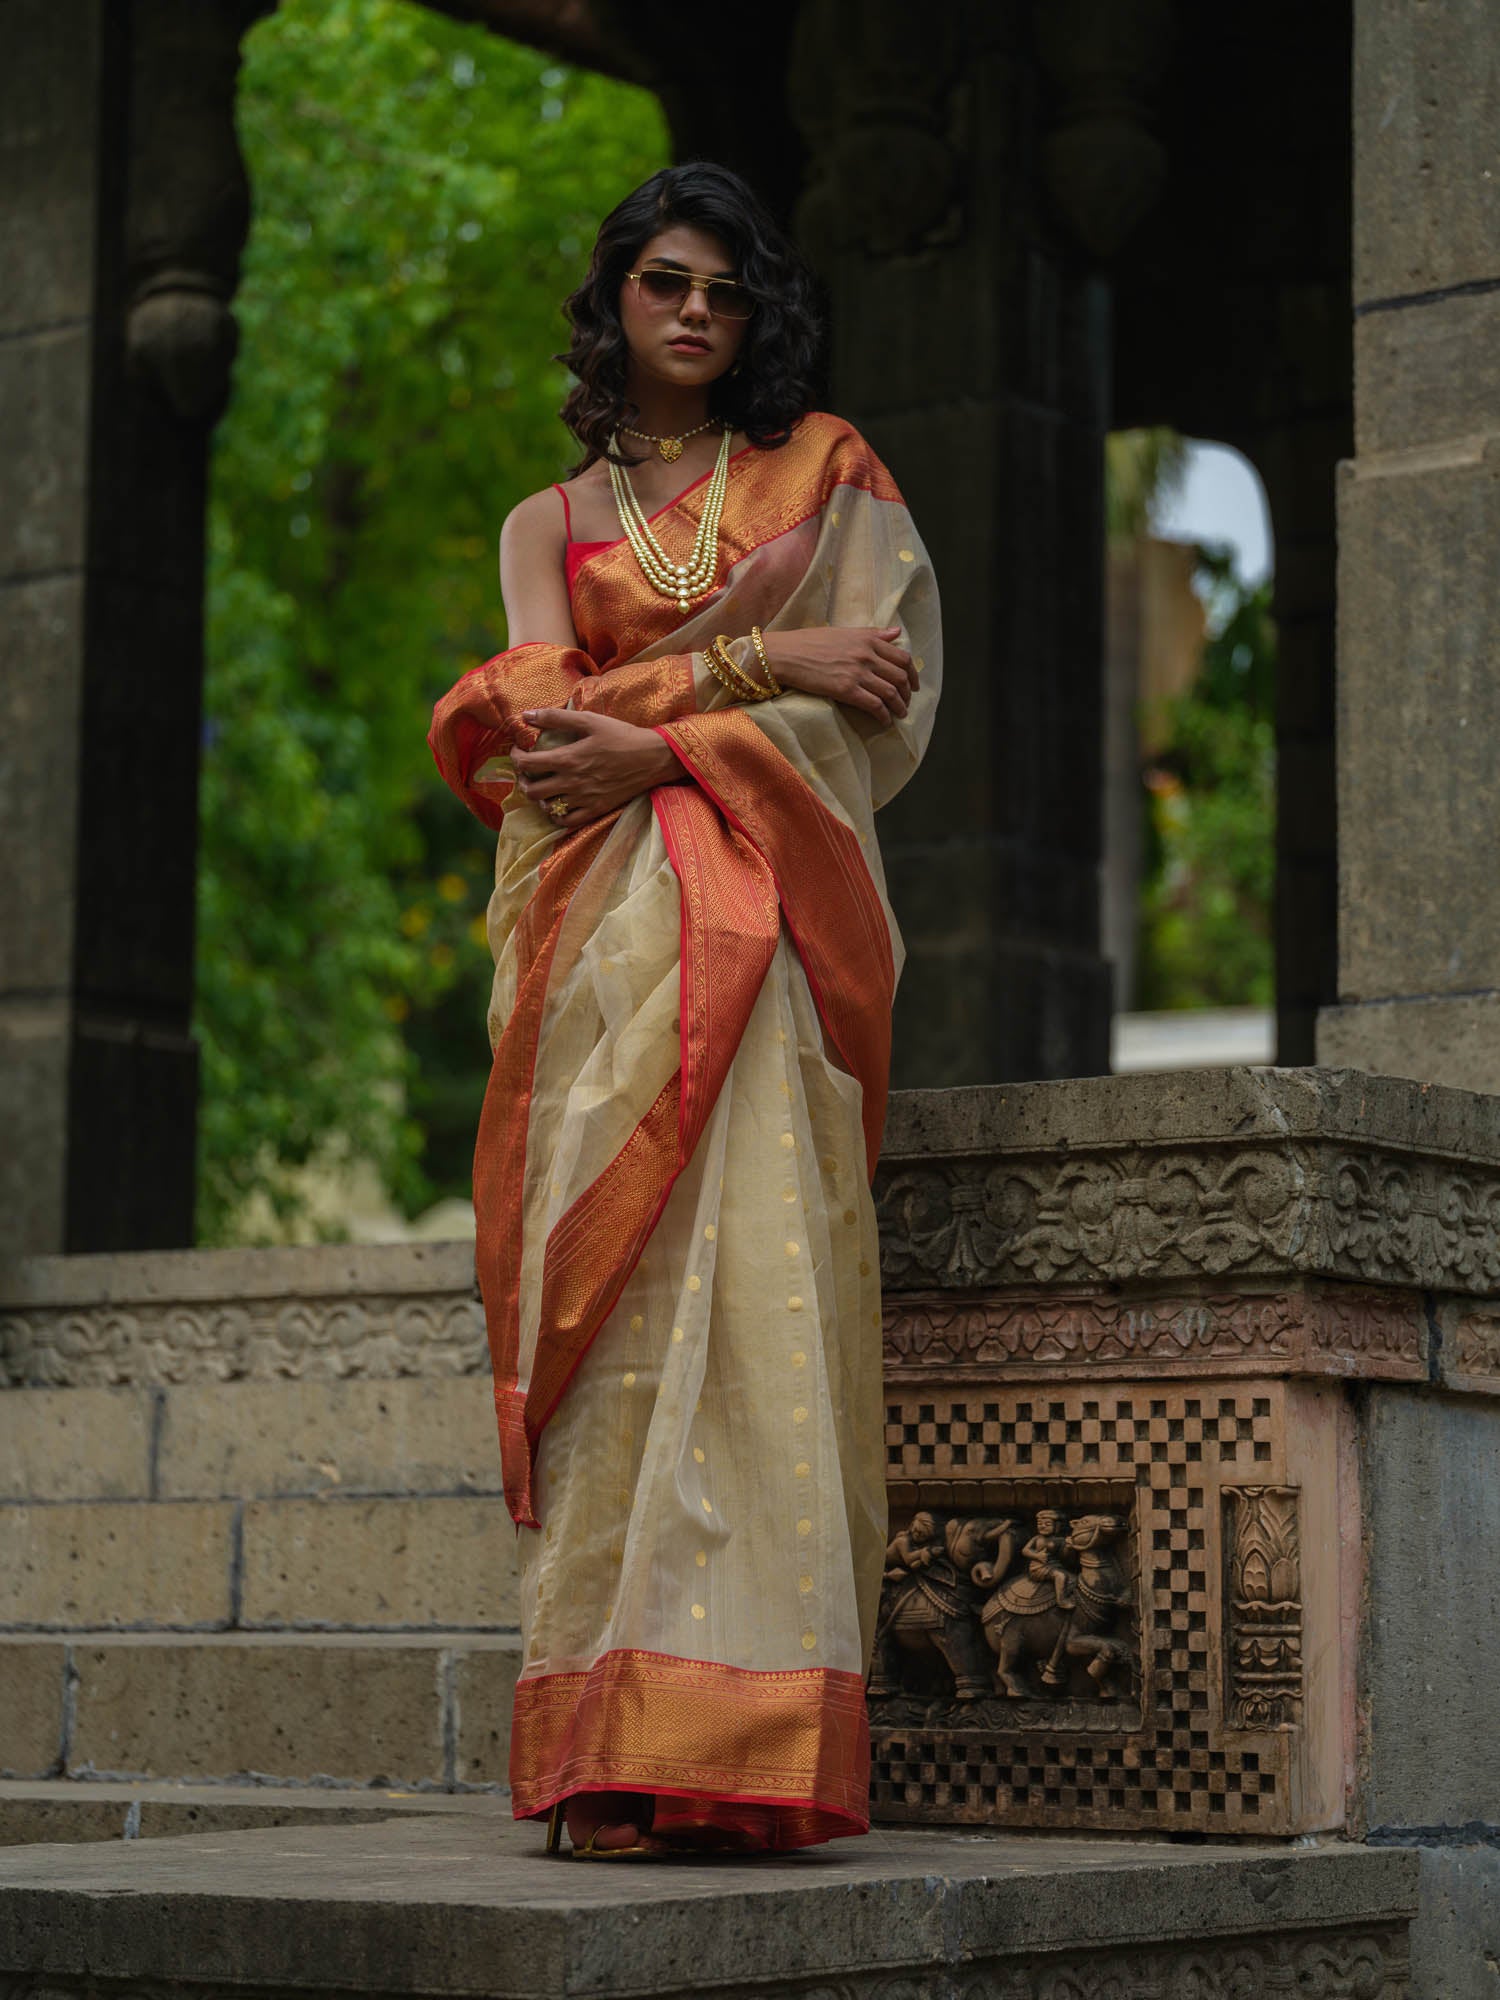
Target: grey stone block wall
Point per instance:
(1419, 601)
(1429, 1682)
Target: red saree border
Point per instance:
(823, 883)
(796, 1740)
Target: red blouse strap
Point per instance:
(567, 510)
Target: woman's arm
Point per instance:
(606, 762)
(533, 572)
(863, 668)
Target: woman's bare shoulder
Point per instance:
(536, 524)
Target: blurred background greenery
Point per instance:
(425, 196)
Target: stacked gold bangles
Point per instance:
(735, 679)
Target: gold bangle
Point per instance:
(734, 678)
(757, 640)
(721, 670)
(750, 688)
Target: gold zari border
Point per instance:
(648, 1722)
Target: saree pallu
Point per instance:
(676, 1239)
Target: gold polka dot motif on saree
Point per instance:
(794, 1303)
(695, 1283)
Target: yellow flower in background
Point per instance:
(440, 957)
(415, 920)
(478, 930)
(397, 1006)
(452, 888)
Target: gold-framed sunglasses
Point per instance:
(727, 297)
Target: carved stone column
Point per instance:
(971, 342)
(124, 207)
(1192, 1382)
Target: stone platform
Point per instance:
(461, 1906)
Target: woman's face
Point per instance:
(686, 341)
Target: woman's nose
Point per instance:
(695, 305)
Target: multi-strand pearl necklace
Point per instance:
(685, 581)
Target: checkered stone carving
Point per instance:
(1171, 1759)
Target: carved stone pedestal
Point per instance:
(1190, 1390)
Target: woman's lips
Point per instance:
(686, 344)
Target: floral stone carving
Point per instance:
(1263, 1593)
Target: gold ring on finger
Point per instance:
(557, 807)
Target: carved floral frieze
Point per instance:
(1336, 1331)
(1206, 1211)
(1476, 1348)
(294, 1339)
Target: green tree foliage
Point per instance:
(425, 196)
(1206, 931)
(1142, 469)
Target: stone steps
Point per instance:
(66, 1811)
(401, 1562)
(428, 1709)
(465, 1904)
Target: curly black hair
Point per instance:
(780, 358)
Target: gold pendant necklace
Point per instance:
(670, 448)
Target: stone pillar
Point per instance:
(959, 193)
(1419, 580)
(122, 209)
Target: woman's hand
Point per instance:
(859, 666)
(607, 764)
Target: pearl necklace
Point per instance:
(685, 581)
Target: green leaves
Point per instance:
(1206, 929)
(425, 194)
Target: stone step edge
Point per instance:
(68, 1810)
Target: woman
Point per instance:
(695, 961)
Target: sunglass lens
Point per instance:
(664, 288)
(732, 301)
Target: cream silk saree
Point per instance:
(676, 1240)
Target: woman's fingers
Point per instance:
(896, 656)
(894, 687)
(882, 699)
